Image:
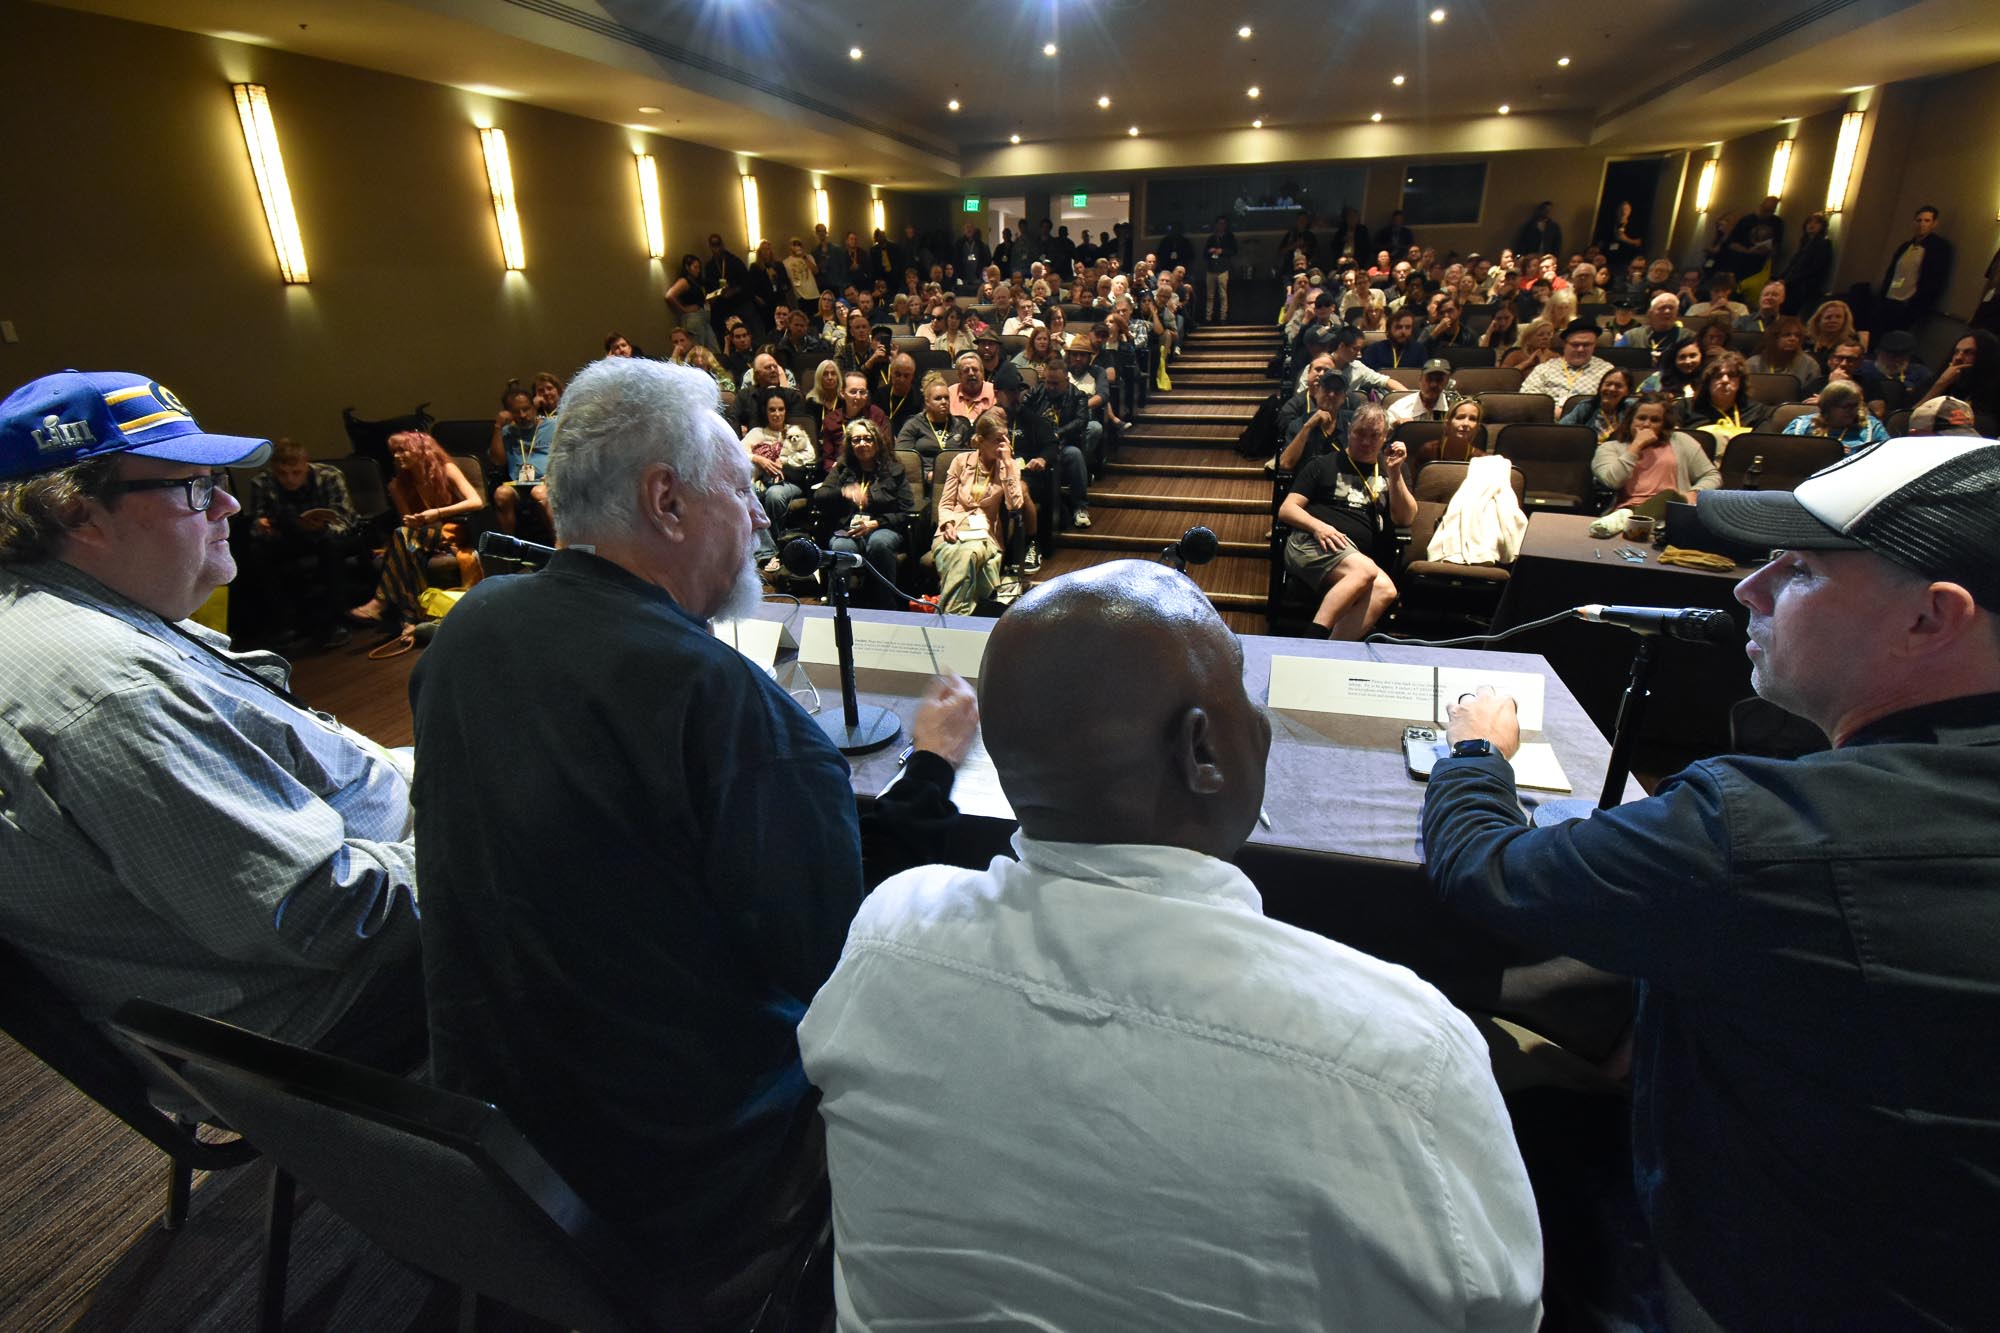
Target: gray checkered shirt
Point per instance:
(174, 830)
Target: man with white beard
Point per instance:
(646, 853)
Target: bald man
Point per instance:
(1097, 1088)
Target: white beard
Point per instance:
(746, 594)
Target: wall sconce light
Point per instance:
(1704, 186)
(500, 178)
(1844, 151)
(1781, 166)
(753, 215)
(649, 205)
(260, 136)
(822, 209)
(878, 214)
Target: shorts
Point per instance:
(1307, 560)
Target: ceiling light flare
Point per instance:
(1048, 48)
(1244, 32)
(1133, 131)
(1013, 138)
(650, 110)
(1104, 101)
(854, 53)
(1437, 16)
(650, 214)
(1377, 118)
(1562, 62)
(267, 163)
(1253, 91)
(500, 178)
(952, 105)
(1505, 109)
(1399, 80)
(1256, 124)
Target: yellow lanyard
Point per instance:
(939, 435)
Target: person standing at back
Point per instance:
(1219, 255)
(1097, 1088)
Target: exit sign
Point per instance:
(971, 203)
(1079, 201)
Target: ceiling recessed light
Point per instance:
(952, 105)
(1505, 109)
(1048, 48)
(1562, 62)
(1013, 138)
(1256, 124)
(1253, 91)
(1244, 32)
(1398, 80)
(1133, 131)
(1437, 16)
(854, 53)
(649, 111)
(1104, 101)
(1377, 117)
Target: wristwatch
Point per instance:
(1476, 748)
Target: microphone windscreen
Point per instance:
(1198, 545)
(801, 557)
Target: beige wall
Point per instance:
(141, 245)
(1924, 141)
(1515, 184)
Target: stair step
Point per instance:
(1241, 532)
(1214, 393)
(1231, 582)
(1218, 414)
(1186, 434)
(1206, 503)
(1150, 469)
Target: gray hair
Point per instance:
(1371, 415)
(620, 415)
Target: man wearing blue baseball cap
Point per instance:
(174, 823)
(1815, 1112)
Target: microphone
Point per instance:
(1694, 624)
(1197, 546)
(503, 547)
(804, 559)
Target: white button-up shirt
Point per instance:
(1098, 1089)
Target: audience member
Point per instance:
(1816, 1144)
(1831, 325)
(1901, 379)
(519, 453)
(1914, 281)
(300, 535)
(979, 494)
(897, 396)
(785, 459)
(429, 493)
(1540, 234)
(1720, 404)
(178, 824)
(727, 282)
(1314, 421)
(1536, 346)
(1219, 255)
(1842, 416)
(1325, 1124)
(854, 406)
(1770, 309)
(1721, 286)
(1343, 509)
(1663, 326)
(1810, 269)
(1943, 416)
(1605, 410)
(628, 991)
(1973, 374)
(1433, 399)
(1401, 348)
(1679, 372)
(1644, 457)
(973, 393)
(688, 299)
(866, 504)
(1464, 433)
(1784, 352)
(1068, 424)
(1575, 373)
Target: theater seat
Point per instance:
(1555, 460)
(1787, 459)
(1470, 592)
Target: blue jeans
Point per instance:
(777, 497)
(881, 549)
(1075, 473)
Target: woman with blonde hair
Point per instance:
(1843, 416)
(702, 359)
(1537, 346)
(981, 490)
(430, 492)
(1830, 326)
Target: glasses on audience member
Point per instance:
(199, 489)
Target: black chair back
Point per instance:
(1631, 358)
(440, 1181)
(1787, 459)
(1468, 358)
(1556, 462)
(1532, 408)
(365, 489)
(1487, 379)
(1772, 389)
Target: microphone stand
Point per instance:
(1638, 689)
(860, 727)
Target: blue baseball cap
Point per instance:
(60, 420)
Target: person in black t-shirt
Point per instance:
(1343, 509)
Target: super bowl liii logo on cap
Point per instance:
(57, 436)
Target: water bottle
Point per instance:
(1753, 479)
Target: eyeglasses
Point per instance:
(199, 489)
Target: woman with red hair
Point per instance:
(429, 491)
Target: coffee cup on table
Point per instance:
(1638, 528)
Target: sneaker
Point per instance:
(1080, 519)
(1032, 561)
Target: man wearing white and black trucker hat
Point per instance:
(174, 824)
(1816, 1110)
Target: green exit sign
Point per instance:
(1079, 201)
(972, 203)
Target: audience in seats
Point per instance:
(1433, 399)
(1770, 309)
(1575, 373)
(1830, 325)
(1842, 415)
(767, 376)
(866, 504)
(1900, 378)
(177, 824)
(1607, 409)
(430, 494)
(1680, 369)
(1784, 352)
(855, 405)
(1343, 509)
(1401, 348)
(519, 454)
(629, 990)
(897, 396)
(785, 459)
(1846, 362)
(973, 393)
(1464, 432)
(1973, 374)
(934, 429)
(1096, 1088)
(301, 535)
(1662, 327)
(1069, 428)
(1315, 420)
(1536, 346)
(1645, 457)
(1721, 405)
(983, 512)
